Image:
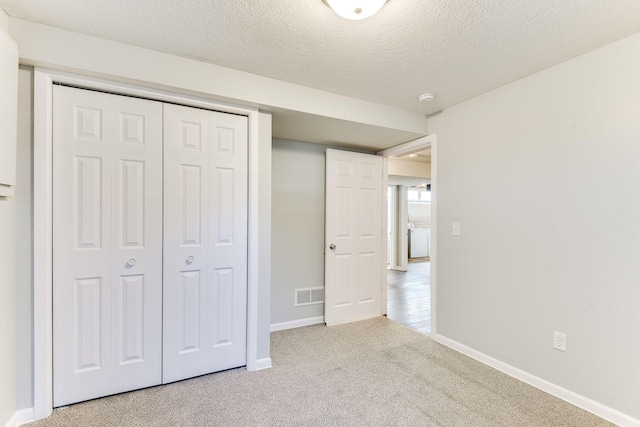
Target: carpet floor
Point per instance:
(370, 373)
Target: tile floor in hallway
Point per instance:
(409, 295)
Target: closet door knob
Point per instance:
(332, 246)
(190, 259)
(131, 262)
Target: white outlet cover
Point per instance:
(560, 341)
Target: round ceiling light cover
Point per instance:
(426, 97)
(356, 9)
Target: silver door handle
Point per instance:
(131, 262)
(190, 259)
(332, 246)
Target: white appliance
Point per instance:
(419, 242)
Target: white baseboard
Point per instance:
(21, 417)
(296, 323)
(575, 399)
(263, 364)
(13, 421)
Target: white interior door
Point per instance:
(353, 242)
(107, 244)
(205, 242)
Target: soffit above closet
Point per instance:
(298, 126)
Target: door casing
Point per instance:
(44, 80)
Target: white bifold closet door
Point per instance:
(138, 301)
(107, 240)
(205, 242)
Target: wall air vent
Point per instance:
(308, 296)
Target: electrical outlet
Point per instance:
(455, 229)
(560, 341)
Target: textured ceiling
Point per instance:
(455, 48)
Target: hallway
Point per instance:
(409, 295)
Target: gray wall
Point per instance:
(297, 225)
(517, 168)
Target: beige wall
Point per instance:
(4, 20)
(516, 168)
(24, 244)
(409, 168)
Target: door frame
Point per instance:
(402, 150)
(392, 214)
(44, 79)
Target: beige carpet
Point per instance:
(370, 373)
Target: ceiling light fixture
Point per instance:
(355, 9)
(425, 97)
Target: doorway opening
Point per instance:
(409, 242)
(409, 295)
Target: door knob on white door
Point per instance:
(332, 246)
(190, 259)
(131, 262)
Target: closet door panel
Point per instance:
(137, 257)
(185, 241)
(205, 248)
(107, 160)
(228, 256)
